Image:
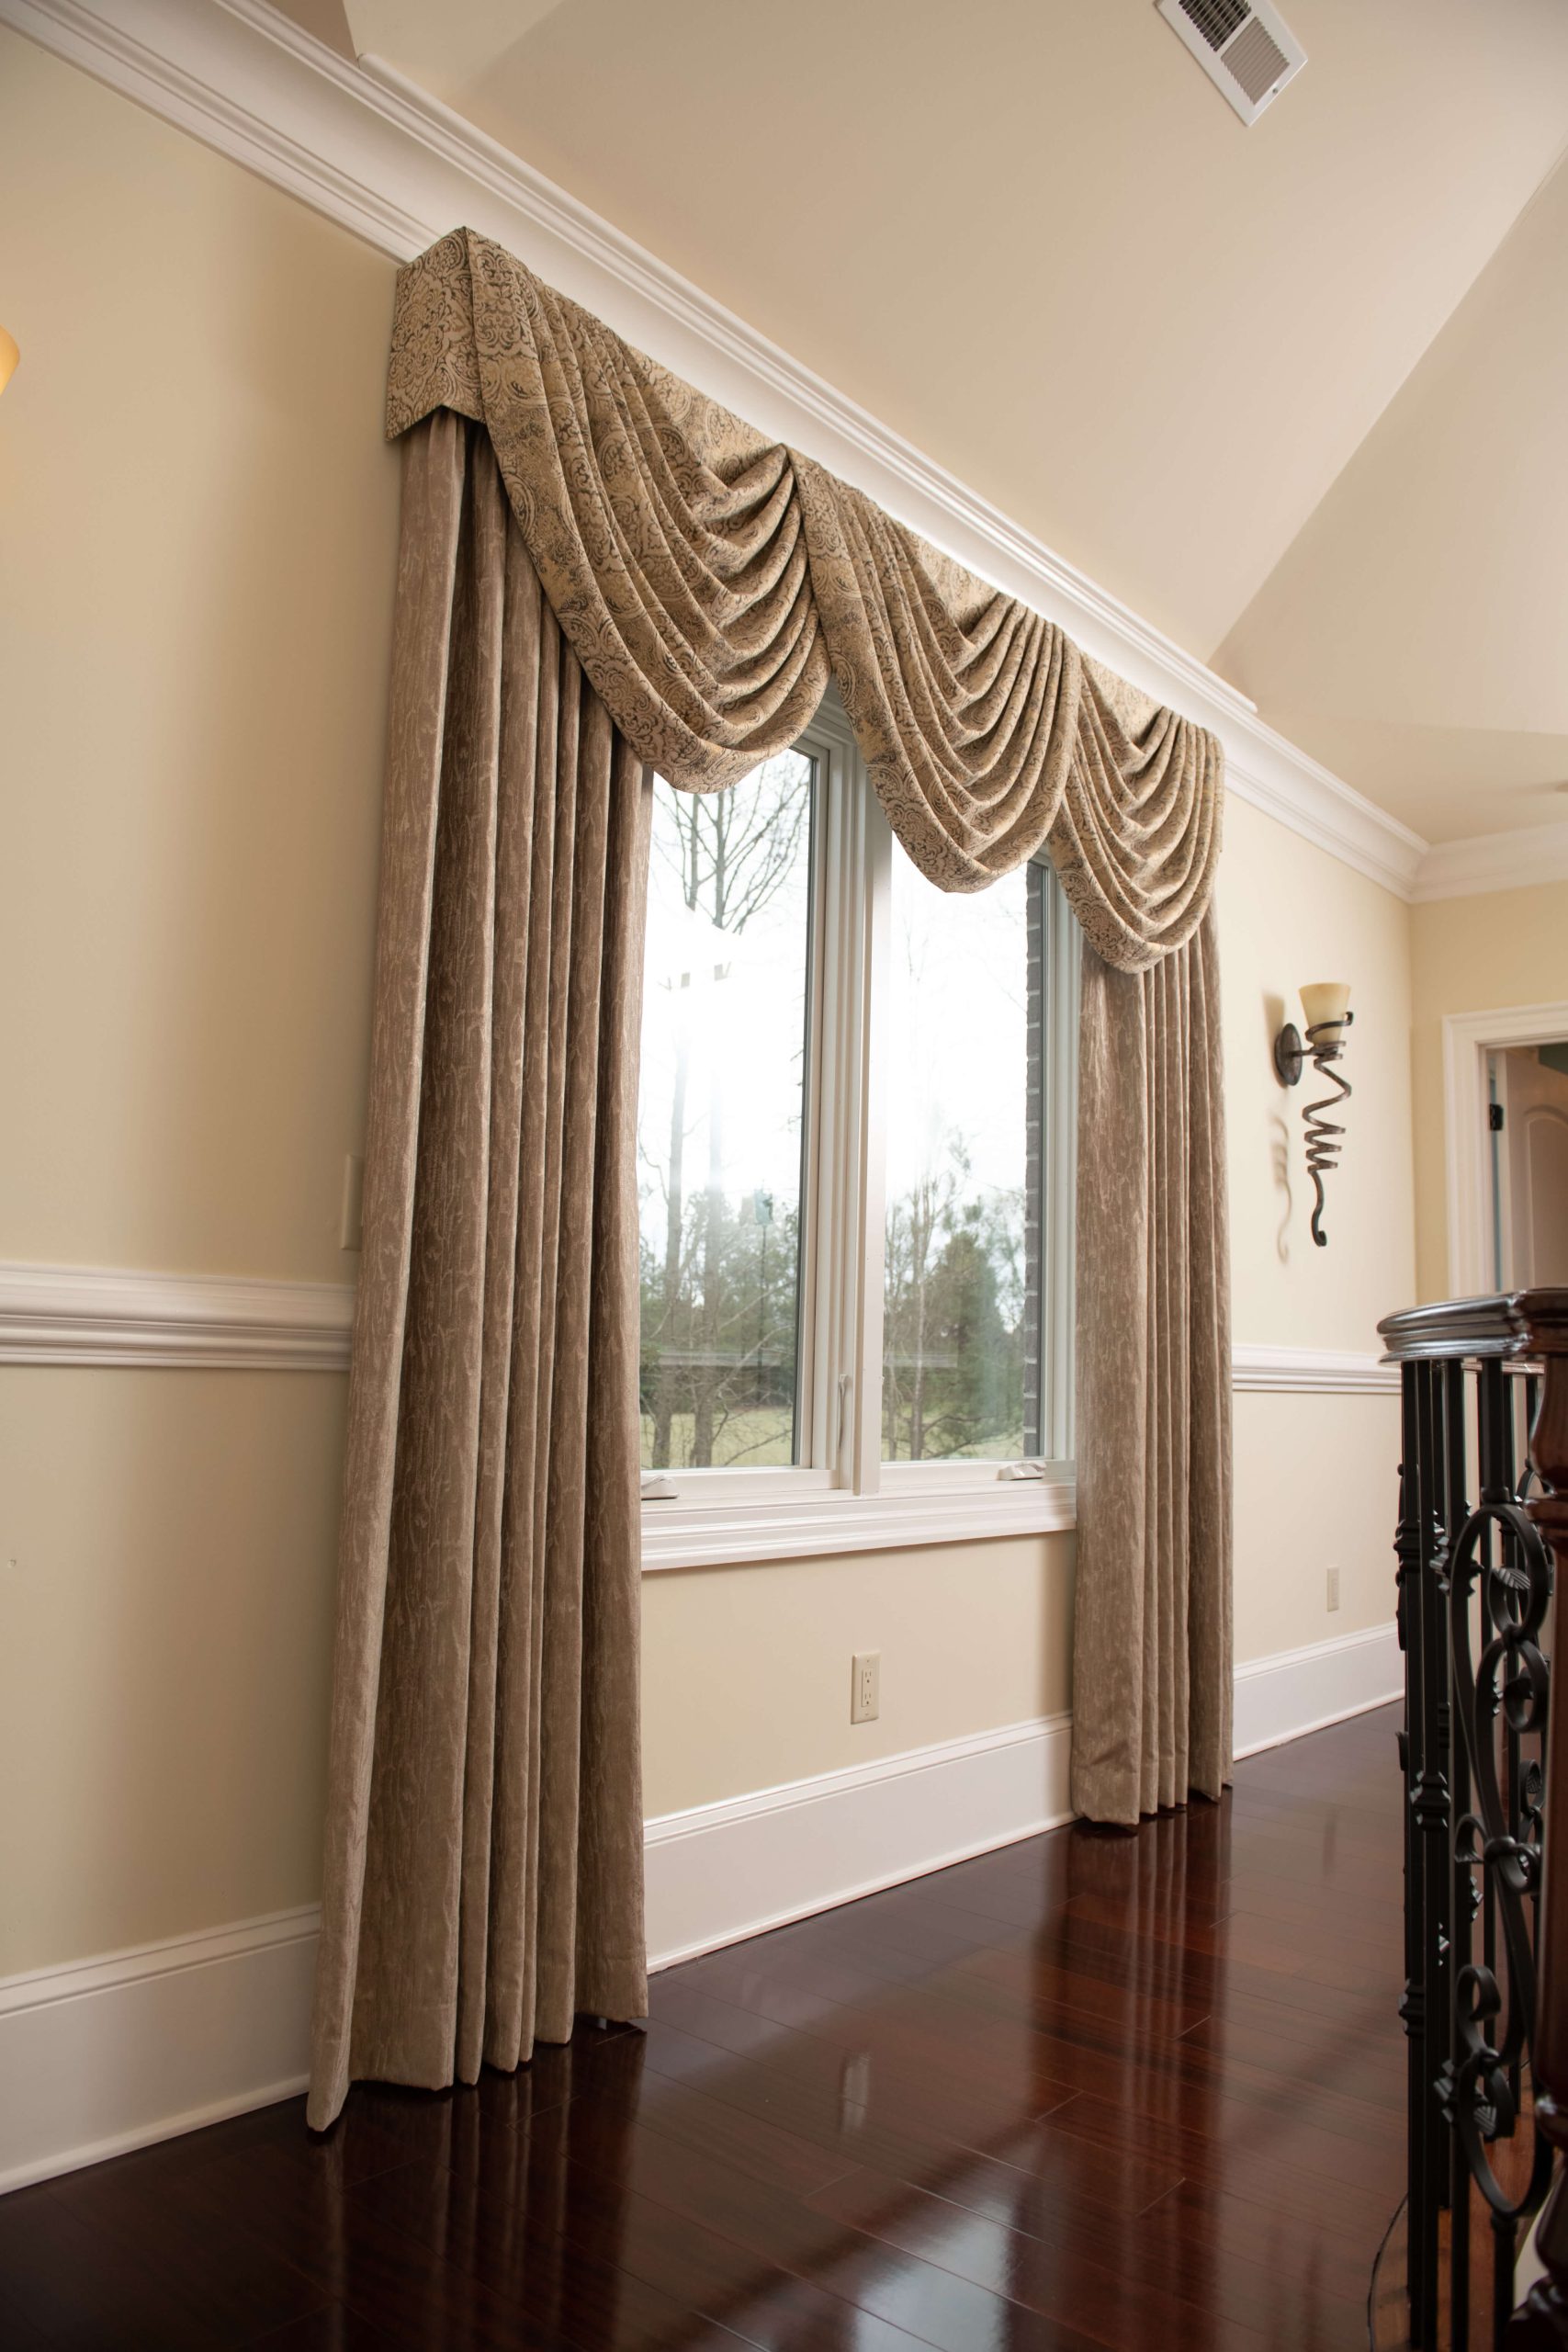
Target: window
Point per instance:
(954, 1171)
(721, 1118)
(855, 1178)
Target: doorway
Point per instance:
(1505, 1105)
(1528, 1115)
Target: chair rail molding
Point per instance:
(1316, 1370)
(1468, 1039)
(119, 1316)
(129, 1315)
(384, 160)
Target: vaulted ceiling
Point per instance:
(1293, 392)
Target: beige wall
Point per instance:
(166, 1605)
(1314, 1474)
(198, 517)
(746, 1681)
(1471, 955)
(1290, 913)
(1314, 1491)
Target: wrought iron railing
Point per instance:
(1475, 1581)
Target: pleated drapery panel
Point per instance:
(599, 568)
(1152, 1622)
(483, 1878)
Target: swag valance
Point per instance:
(709, 581)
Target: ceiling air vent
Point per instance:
(1243, 46)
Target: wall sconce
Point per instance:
(1327, 1004)
(9, 354)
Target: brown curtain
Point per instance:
(483, 1875)
(600, 568)
(1152, 1627)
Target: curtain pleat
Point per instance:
(1152, 1619)
(965, 707)
(483, 1867)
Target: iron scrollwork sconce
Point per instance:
(1326, 1005)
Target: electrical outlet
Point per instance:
(1334, 1587)
(865, 1687)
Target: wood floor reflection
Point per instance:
(1087, 2091)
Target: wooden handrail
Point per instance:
(1454, 1327)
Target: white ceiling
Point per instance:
(1233, 374)
(1415, 635)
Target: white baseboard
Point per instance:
(141, 2045)
(723, 1872)
(113, 2054)
(1296, 1692)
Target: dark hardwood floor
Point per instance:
(1087, 2091)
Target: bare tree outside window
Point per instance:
(960, 1105)
(721, 1117)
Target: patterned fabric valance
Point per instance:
(709, 581)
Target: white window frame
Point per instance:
(842, 1497)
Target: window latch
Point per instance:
(658, 1489)
(846, 1382)
(1022, 1470)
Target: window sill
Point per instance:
(745, 1533)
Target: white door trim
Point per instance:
(1468, 1039)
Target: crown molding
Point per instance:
(1267, 771)
(389, 163)
(1484, 862)
(119, 1316)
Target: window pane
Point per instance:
(961, 1098)
(721, 1130)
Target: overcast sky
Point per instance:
(957, 1032)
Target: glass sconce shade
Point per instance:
(1325, 1003)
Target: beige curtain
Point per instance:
(602, 568)
(484, 1841)
(1152, 1629)
(709, 580)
